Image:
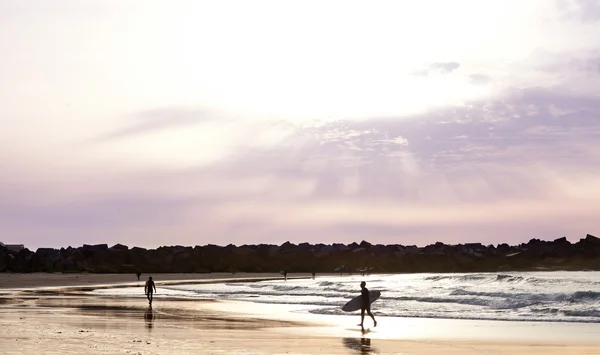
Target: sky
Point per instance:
(153, 123)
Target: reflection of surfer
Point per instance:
(365, 305)
(360, 346)
(149, 317)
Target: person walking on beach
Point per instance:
(148, 289)
(365, 305)
(138, 274)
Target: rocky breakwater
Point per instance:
(559, 254)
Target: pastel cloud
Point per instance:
(479, 79)
(583, 10)
(513, 167)
(157, 120)
(311, 140)
(445, 67)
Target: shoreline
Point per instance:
(37, 280)
(81, 285)
(17, 281)
(107, 325)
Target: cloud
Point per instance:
(525, 166)
(512, 158)
(553, 62)
(479, 79)
(157, 120)
(439, 67)
(106, 212)
(583, 10)
(422, 72)
(444, 67)
(526, 161)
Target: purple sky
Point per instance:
(263, 122)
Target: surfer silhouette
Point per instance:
(148, 289)
(365, 305)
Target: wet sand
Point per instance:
(69, 321)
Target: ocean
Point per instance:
(514, 296)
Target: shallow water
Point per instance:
(523, 296)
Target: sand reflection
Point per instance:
(360, 345)
(149, 317)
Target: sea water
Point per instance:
(521, 296)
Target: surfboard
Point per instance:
(338, 269)
(355, 303)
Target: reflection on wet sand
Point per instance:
(149, 317)
(360, 345)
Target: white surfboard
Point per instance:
(355, 303)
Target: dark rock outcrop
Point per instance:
(537, 254)
(3, 259)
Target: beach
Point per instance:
(58, 314)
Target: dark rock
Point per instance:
(365, 244)
(503, 248)
(304, 257)
(44, 259)
(534, 242)
(287, 246)
(411, 249)
(120, 247)
(562, 240)
(3, 258)
(94, 248)
(16, 264)
(438, 248)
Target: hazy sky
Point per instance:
(192, 122)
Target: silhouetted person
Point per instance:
(138, 274)
(148, 289)
(314, 274)
(365, 305)
(285, 275)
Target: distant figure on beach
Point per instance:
(148, 289)
(366, 305)
(314, 274)
(285, 275)
(365, 271)
(138, 274)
